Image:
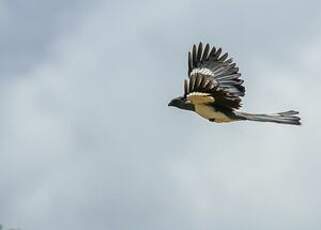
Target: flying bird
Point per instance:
(214, 89)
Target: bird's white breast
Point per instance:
(201, 101)
(208, 112)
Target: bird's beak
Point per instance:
(171, 103)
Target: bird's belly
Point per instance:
(209, 113)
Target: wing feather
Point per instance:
(199, 53)
(210, 65)
(198, 86)
(194, 56)
(205, 53)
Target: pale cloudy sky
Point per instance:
(87, 140)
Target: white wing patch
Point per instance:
(204, 71)
(200, 98)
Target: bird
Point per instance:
(214, 89)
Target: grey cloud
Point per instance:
(87, 140)
(29, 27)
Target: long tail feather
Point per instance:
(288, 117)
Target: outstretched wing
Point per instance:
(210, 64)
(200, 89)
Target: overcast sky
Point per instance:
(87, 140)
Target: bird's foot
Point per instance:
(211, 120)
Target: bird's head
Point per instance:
(181, 103)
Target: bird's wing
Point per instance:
(212, 65)
(199, 89)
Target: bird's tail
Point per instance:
(288, 117)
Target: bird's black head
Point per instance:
(181, 103)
